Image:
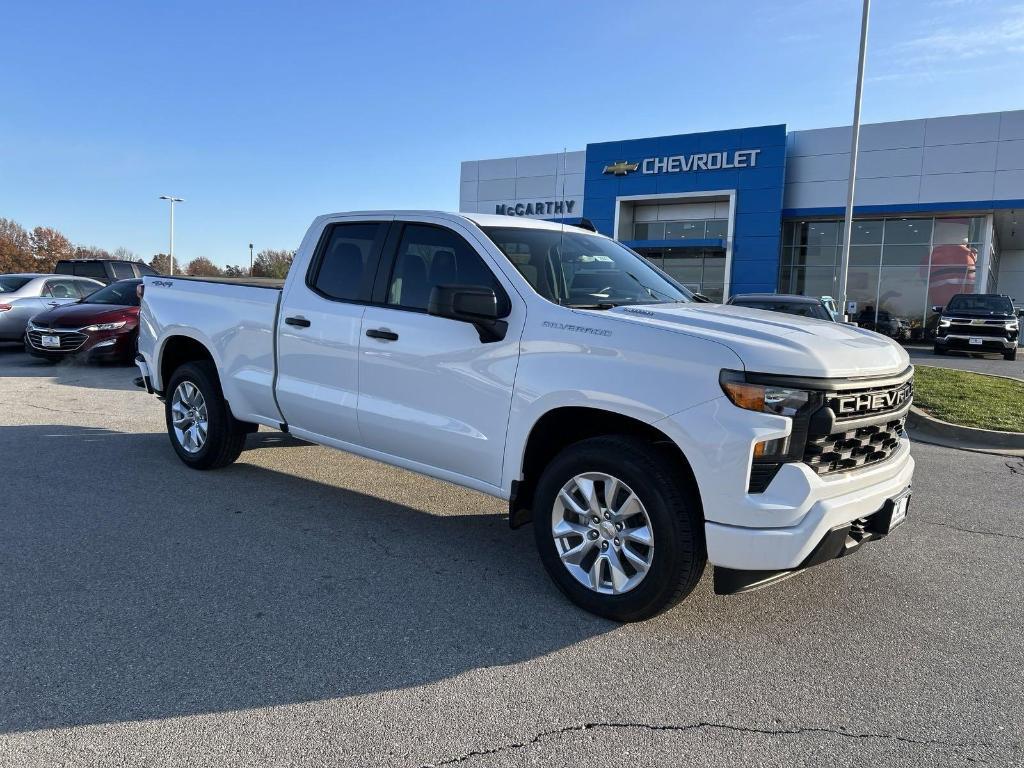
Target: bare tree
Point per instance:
(91, 252)
(202, 267)
(124, 254)
(270, 263)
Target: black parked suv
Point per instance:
(107, 271)
(978, 322)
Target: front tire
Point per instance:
(938, 350)
(618, 528)
(1011, 355)
(202, 430)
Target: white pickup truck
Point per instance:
(643, 433)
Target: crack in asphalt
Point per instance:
(1016, 467)
(703, 725)
(972, 530)
(51, 410)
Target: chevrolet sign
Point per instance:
(699, 161)
(872, 402)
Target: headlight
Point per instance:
(106, 326)
(943, 322)
(1012, 325)
(782, 401)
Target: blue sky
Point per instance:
(263, 115)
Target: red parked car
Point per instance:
(102, 326)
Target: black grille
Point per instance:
(69, 340)
(848, 449)
(964, 329)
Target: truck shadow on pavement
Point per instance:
(132, 587)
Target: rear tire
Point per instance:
(667, 504)
(222, 439)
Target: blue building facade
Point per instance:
(675, 175)
(938, 209)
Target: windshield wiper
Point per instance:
(654, 293)
(598, 305)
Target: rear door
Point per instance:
(319, 331)
(430, 391)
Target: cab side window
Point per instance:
(123, 270)
(345, 267)
(429, 256)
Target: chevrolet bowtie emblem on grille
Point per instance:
(621, 168)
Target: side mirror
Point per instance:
(475, 304)
(937, 308)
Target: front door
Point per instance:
(430, 391)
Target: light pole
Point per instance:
(250, 259)
(844, 266)
(172, 201)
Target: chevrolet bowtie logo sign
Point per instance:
(621, 168)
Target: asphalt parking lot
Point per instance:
(308, 607)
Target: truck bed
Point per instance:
(235, 319)
(251, 282)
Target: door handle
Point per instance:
(299, 322)
(383, 334)
(53, 303)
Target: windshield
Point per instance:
(578, 270)
(122, 294)
(981, 303)
(10, 283)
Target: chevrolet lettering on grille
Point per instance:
(872, 402)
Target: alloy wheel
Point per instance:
(602, 533)
(189, 416)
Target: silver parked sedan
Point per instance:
(25, 295)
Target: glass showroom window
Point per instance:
(700, 270)
(899, 267)
(697, 229)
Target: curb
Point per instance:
(927, 429)
(968, 370)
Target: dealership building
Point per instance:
(937, 207)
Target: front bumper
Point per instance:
(957, 341)
(788, 548)
(96, 345)
(839, 541)
(775, 530)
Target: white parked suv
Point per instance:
(644, 434)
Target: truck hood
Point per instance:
(771, 342)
